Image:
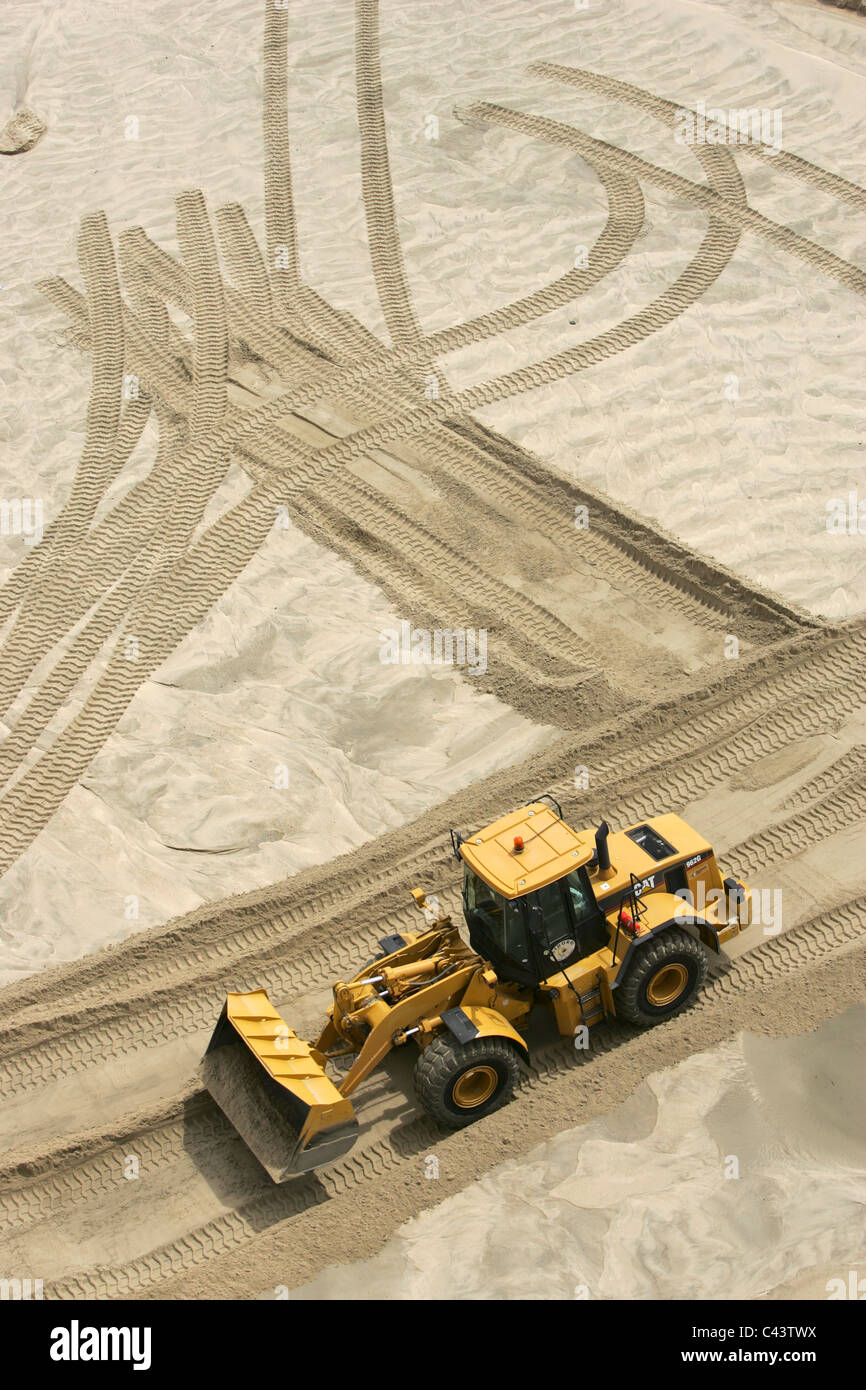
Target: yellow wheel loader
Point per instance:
(589, 924)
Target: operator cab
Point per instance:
(529, 939)
(527, 897)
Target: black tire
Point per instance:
(445, 1064)
(672, 968)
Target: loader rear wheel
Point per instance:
(460, 1082)
(662, 979)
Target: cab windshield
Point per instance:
(501, 919)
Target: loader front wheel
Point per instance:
(460, 1082)
(662, 979)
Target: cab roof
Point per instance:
(550, 849)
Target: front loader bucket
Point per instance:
(277, 1096)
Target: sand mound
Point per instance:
(21, 132)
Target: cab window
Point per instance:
(572, 923)
(557, 923)
(582, 898)
(502, 917)
(590, 926)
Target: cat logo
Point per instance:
(644, 884)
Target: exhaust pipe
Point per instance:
(601, 851)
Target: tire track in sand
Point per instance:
(671, 112)
(162, 1140)
(724, 210)
(278, 936)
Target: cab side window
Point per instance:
(515, 934)
(557, 923)
(582, 899)
(502, 918)
(480, 898)
(592, 932)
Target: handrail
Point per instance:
(548, 796)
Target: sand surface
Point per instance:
(100, 1056)
(251, 754)
(324, 355)
(477, 242)
(719, 1174)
